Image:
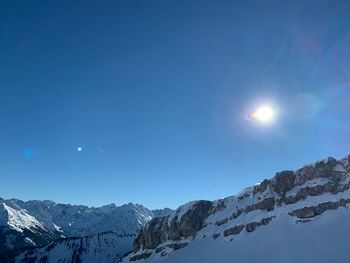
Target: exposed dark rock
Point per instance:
(321, 208)
(159, 249)
(283, 182)
(221, 222)
(343, 202)
(219, 207)
(243, 196)
(236, 214)
(306, 212)
(317, 190)
(267, 204)
(260, 188)
(141, 256)
(233, 230)
(191, 222)
(159, 230)
(177, 246)
(346, 162)
(312, 211)
(251, 226)
(324, 168)
(216, 235)
(151, 236)
(265, 220)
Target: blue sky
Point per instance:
(156, 93)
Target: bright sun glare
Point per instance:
(265, 114)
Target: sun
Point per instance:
(264, 114)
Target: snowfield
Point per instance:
(325, 239)
(296, 216)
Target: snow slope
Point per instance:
(17, 219)
(297, 216)
(19, 229)
(324, 240)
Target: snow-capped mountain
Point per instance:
(36, 223)
(79, 220)
(104, 247)
(297, 216)
(19, 229)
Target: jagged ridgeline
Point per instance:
(295, 216)
(33, 224)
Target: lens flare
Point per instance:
(264, 114)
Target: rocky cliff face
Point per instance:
(184, 223)
(297, 196)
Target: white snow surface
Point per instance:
(47, 221)
(324, 240)
(286, 238)
(17, 219)
(75, 220)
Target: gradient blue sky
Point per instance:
(156, 92)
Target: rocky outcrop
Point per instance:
(151, 236)
(176, 246)
(254, 207)
(184, 224)
(312, 211)
(260, 188)
(283, 182)
(317, 190)
(321, 169)
(233, 230)
(266, 204)
(221, 222)
(250, 227)
(141, 256)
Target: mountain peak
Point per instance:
(292, 196)
(18, 220)
(37, 222)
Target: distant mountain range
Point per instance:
(296, 216)
(36, 223)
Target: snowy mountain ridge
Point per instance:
(296, 216)
(312, 197)
(36, 223)
(79, 220)
(18, 219)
